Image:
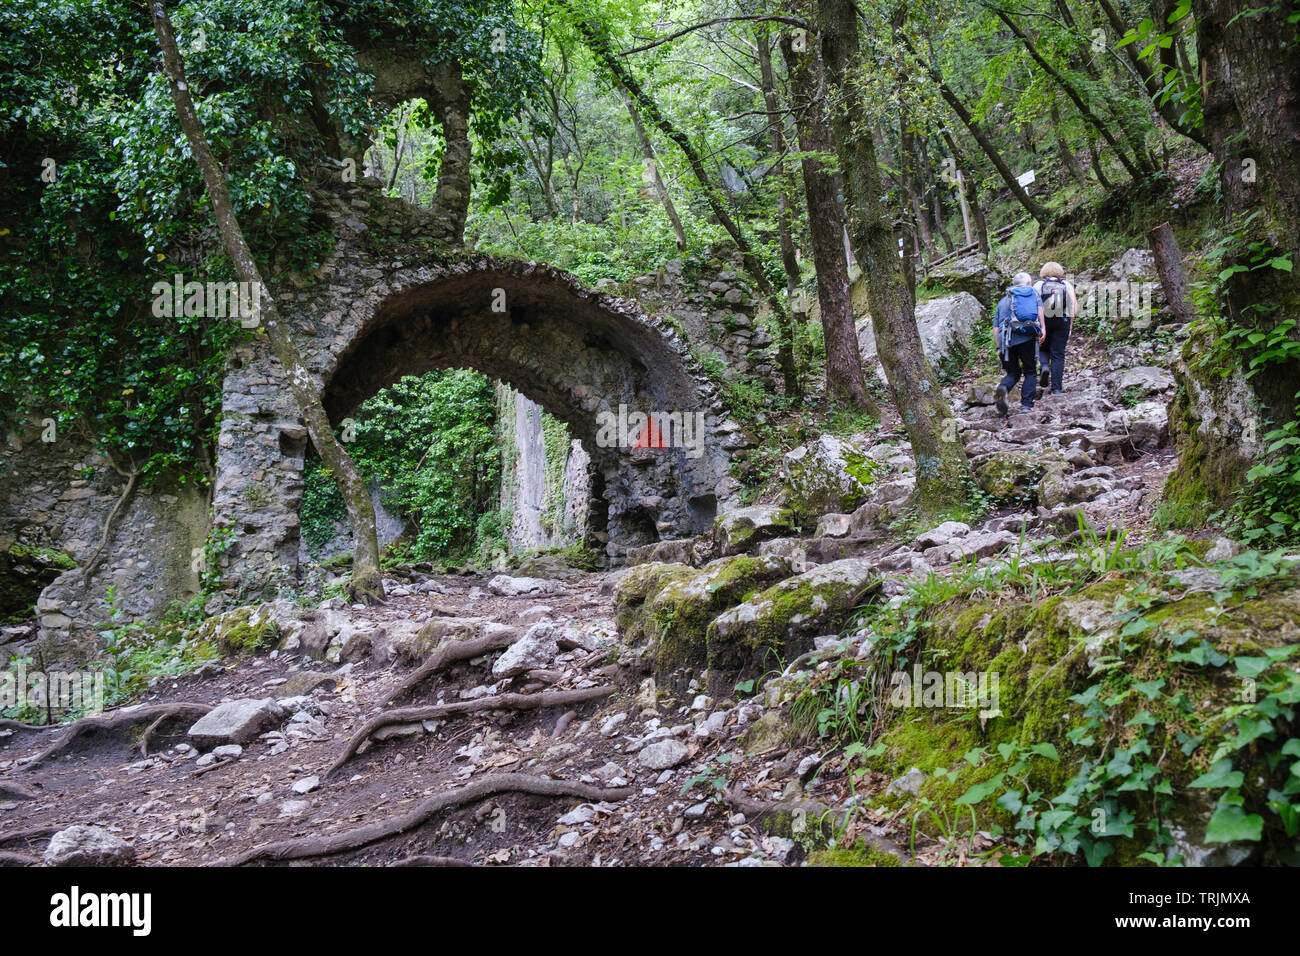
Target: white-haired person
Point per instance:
(1018, 332)
(1060, 306)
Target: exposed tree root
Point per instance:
(213, 766)
(143, 745)
(486, 786)
(424, 859)
(411, 715)
(131, 478)
(814, 815)
(34, 833)
(14, 858)
(12, 791)
(562, 724)
(7, 724)
(453, 651)
(116, 721)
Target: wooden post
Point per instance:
(1169, 265)
(965, 208)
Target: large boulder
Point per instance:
(508, 586)
(1134, 264)
(535, 649)
(1146, 379)
(634, 586)
(981, 544)
(944, 324)
(681, 551)
(779, 623)
(828, 475)
(245, 630)
(677, 617)
(970, 274)
(236, 722)
(1217, 422)
(1014, 478)
(887, 502)
(1146, 424)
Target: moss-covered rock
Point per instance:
(1011, 478)
(971, 274)
(859, 854)
(1215, 423)
(828, 475)
(741, 529)
(635, 586)
(245, 630)
(778, 623)
(769, 732)
(685, 604)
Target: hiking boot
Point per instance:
(1000, 400)
(1026, 408)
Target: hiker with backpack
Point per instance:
(1060, 306)
(1018, 332)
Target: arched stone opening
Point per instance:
(590, 359)
(581, 357)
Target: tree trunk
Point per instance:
(910, 183)
(1251, 96)
(401, 146)
(367, 582)
(1133, 135)
(1063, 150)
(597, 42)
(652, 164)
(942, 473)
(844, 373)
(1169, 266)
(451, 105)
(1032, 206)
(1098, 168)
(785, 186)
(965, 208)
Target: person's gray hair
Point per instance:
(1022, 278)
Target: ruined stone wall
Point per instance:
(57, 495)
(711, 300)
(382, 307)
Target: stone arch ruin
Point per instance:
(581, 355)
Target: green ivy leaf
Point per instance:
(1220, 775)
(980, 791)
(1232, 823)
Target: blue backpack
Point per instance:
(1019, 321)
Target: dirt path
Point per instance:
(173, 812)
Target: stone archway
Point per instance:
(581, 355)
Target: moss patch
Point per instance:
(859, 854)
(243, 631)
(1045, 653)
(774, 625)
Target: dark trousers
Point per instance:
(1051, 354)
(1022, 360)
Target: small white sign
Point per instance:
(1024, 179)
